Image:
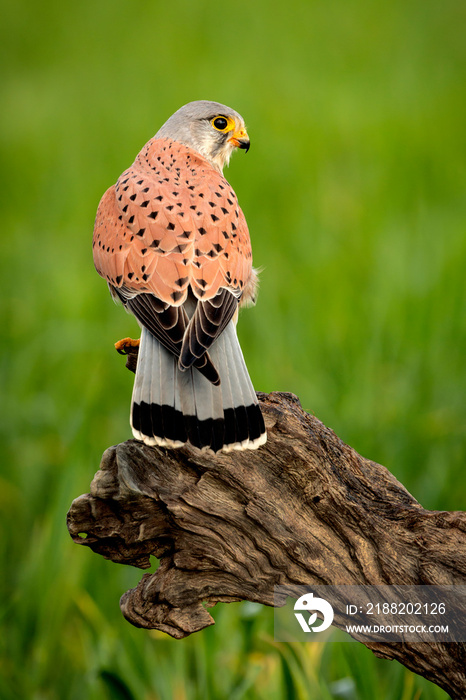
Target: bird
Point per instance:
(173, 245)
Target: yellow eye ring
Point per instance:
(222, 123)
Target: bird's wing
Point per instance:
(209, 320)
(168, 324)
(171, 224)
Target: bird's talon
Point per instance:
(126, 346)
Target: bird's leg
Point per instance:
(129, 347)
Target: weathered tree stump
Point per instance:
(305, 509)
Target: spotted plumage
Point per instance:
(174, 247)
(178, 218)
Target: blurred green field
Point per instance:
(354, 191)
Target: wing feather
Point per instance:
(209, 320)
(168, 324)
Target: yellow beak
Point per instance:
(240, 139)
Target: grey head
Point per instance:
(210, 128)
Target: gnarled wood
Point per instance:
(305, 509)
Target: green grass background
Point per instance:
(354, 190)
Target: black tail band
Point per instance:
(165, 422)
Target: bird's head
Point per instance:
(210, 128)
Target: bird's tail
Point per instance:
(171, 407)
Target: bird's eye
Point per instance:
(220, 123)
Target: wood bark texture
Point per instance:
(305, 509)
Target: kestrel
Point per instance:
(173, 245)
